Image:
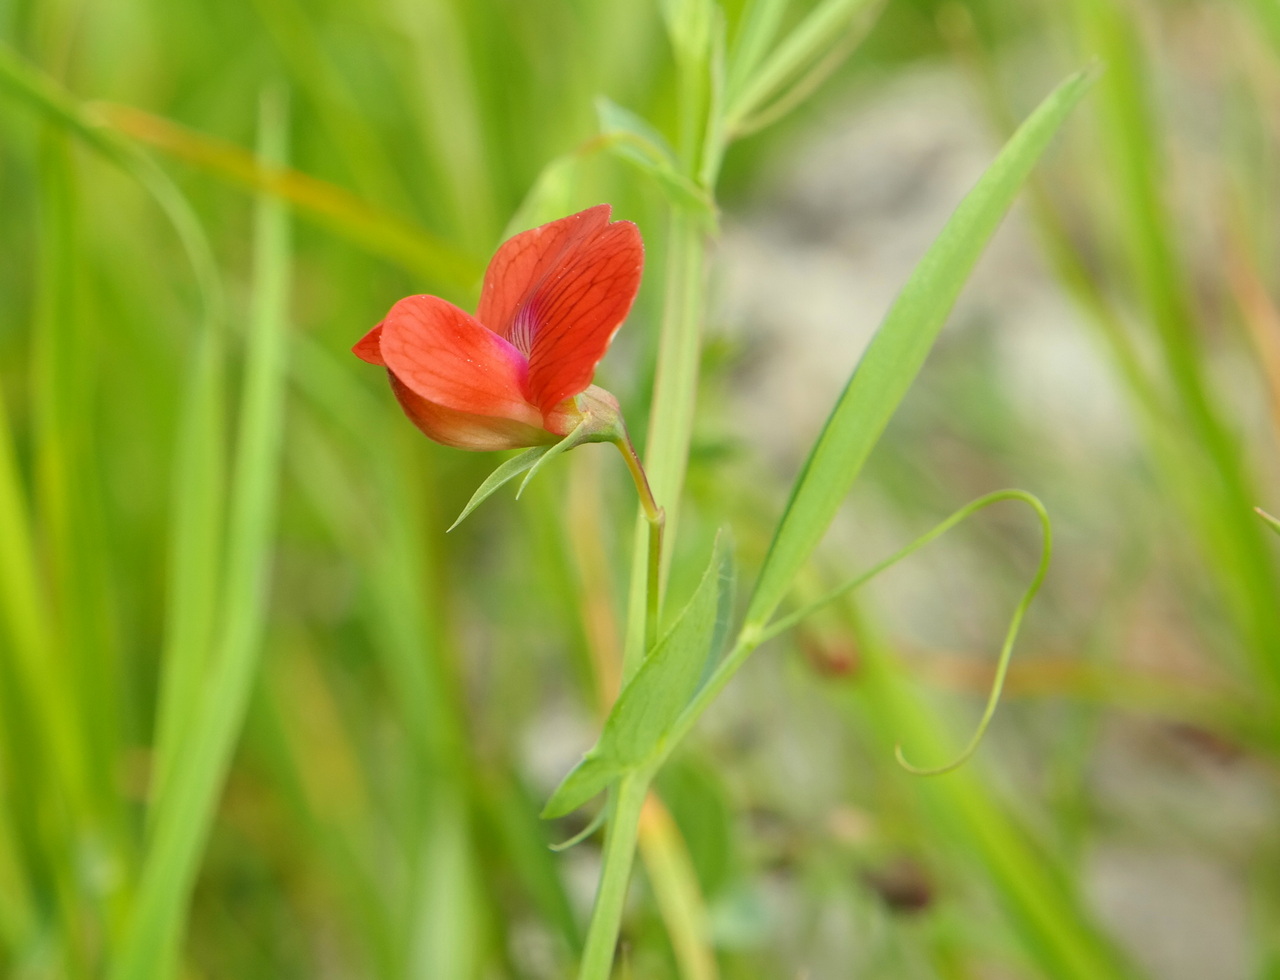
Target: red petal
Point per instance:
(578, 309)
(445, 356)
(462, 430)
(368, 347)
(523, 261)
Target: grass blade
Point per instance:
(377, 231)
(185, 810)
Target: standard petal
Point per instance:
(462, 430)
(578, 308)
(369, 347)
(446, 357)
(523, 261)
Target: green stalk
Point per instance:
(1219, 495)
(671, 421)
(655, 517)
(619, 854)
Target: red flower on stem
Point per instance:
(519, 372)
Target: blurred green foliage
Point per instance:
(195, 510)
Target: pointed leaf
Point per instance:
(650, 144)
(898, 350)
(634, 733)
(805, 46)
(505, 473)
(590, 777)
(633, 139)
(579, 435)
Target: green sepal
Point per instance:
(505, 473)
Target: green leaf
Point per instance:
(531, 460)
(634, 733)
(631, 138)
(590, 777)
(581, 433)
(650, 144)
(812, 77)
(806, 45)
(898, 350)
(505, 473)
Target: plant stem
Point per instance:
(619, 853)
(656, 518)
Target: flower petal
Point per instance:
(462, 430)
(577, 310)
(446, 357)
(369, 347)
(523, 261)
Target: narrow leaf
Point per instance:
(577, 437)
(898, 350)
(803, 47)
(633, 140)
(590, 777)
(646, 710)
(505, 473)
(614, 118)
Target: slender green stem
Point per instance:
(653, 599)
(656, 518)
(619, 854)
(674, 397)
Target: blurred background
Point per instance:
(217, 531)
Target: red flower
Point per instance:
(519, 372)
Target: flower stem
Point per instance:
(619, 854)
(656, 518)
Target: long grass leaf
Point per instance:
(1214, 482)
(377, 231)
(186, 808)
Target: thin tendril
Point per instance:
(1006, 651)
(657, 519)
(1006, 654)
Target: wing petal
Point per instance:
(445, 356)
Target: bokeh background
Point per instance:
(409, 699)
